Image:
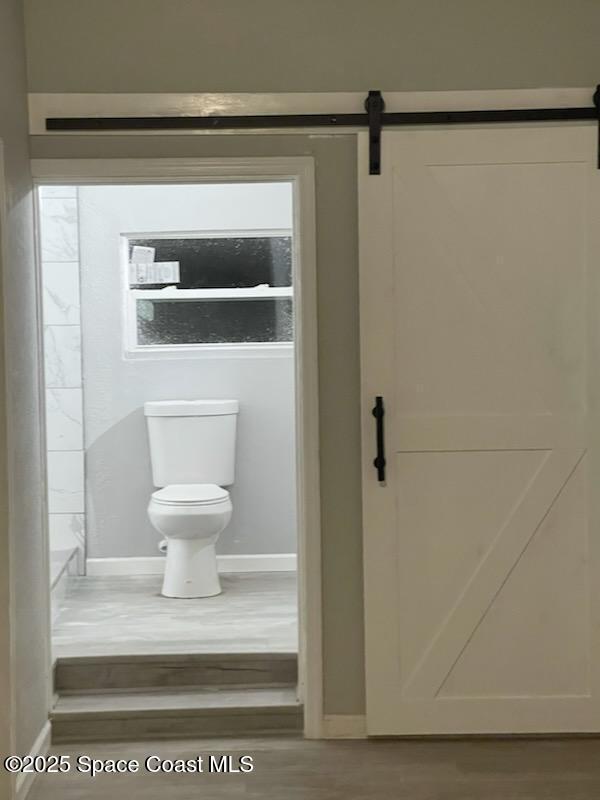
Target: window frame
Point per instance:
(133, 350)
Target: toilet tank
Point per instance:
(192, 441)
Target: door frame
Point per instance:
(7, 596)
(299, 170)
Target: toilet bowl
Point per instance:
(190, 517)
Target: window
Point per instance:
(220, 289)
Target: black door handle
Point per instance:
(379, 461)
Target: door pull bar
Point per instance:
(379, 461)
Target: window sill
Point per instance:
(214, 351)
(171, 294)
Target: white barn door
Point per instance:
(480, 328)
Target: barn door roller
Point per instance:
(374, 117)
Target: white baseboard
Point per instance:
(266, 562)
(344, 726)
(40, 748)
(155, 565)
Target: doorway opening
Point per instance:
(176, 431)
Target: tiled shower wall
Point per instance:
(59, 236)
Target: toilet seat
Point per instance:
(191, 494)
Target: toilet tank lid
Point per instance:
(190, 408)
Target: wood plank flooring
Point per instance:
(292, 769)
(122, 716)
(162, 672)
(257, 612)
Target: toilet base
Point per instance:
(191, 569)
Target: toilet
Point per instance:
(192, 450)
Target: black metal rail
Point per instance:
(375, 118)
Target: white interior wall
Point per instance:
(118, 477)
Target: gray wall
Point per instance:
(318, 45)
(118, 475)
(20, 456)
(326, 45)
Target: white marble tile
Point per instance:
(59, 239)
(63, 356)
(66, 531)
(65, 482)
(47, 192)
(61, 293)
(64, 419)
(63, 562)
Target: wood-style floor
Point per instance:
(292, 769)
(257, 612)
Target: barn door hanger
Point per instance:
(374, 106)
(377, 119)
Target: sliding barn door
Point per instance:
(480, 330)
